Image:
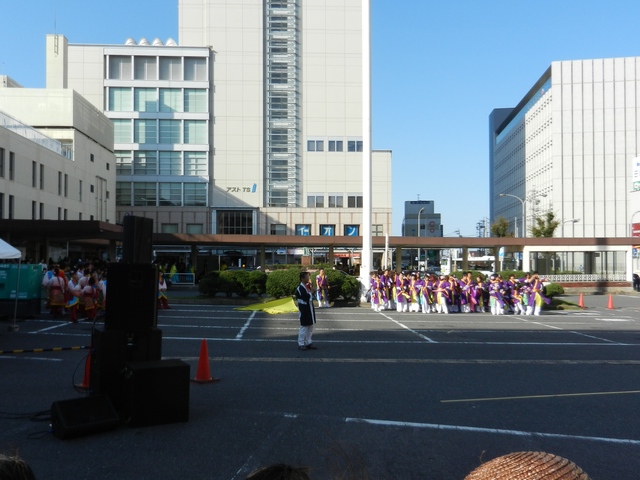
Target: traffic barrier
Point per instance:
(204, 374)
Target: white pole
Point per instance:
(366, 258)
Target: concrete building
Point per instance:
(277, 130)
(56, 158)
(570, 146)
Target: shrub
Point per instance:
(553, 289)
(210, 284)
(282, 283)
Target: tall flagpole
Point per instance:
(366, 257)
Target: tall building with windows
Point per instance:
(250, 124)
(570, 146)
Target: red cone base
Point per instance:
(87, 373)
(204, 375)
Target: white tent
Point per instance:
(8, 252)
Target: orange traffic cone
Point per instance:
(610, 306)
(581, 301)
(204, 375)
(87, 374)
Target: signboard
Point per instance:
(635, 229)
(501, 253)
(635, 174)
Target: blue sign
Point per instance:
(302, 230)
(351, 230)
(327, 230)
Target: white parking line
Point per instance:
(499, 431)
(424, 337)
(246, 325)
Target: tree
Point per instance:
(545, 226)
(500, 228)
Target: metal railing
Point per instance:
(183, 279)
(587, 278)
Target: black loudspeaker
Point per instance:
(156, 392)
(83, 416)
(112, 349)
(137, 241)
(132, 299)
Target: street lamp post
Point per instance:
(524, 228)
(572, 220)
(419, 212)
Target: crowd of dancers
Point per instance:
(82, 291)
(409, 292)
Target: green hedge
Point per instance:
(241, 282)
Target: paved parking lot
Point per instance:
(386, 395)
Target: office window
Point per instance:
(92, 157)
(119, 67)
(327, 230)
(315, 201)
(41, 177)
(1, 162)
(169, 228)
(303, 230)
(377, 230)
(80, 190)
(195, 69)
(335, 145)
(65, 214)
(124, 162)
(145, 163)
(59, 183)
(354, 145)
(315, 145)
(12, 165)
(145, 100)
(354, 201)
(235, 222)
(170, 163)
(91, 189)
(170, 131)
(119, 99)
(144, 194)
(59, 213)
(195, 100)
(171, 68)
(170, 194)
(123, 194)
(146, 68)
(170, 100)
(278, 229)
(195, 163)
(33, 210)
(194, 229)
(195, 132)
(108, 166)
(11, 206)
(41, 213)
(336, 201)
(34, 174)
(145, 131)
(122, 131)
(195, 194)
(66, 185)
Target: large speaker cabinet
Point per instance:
(156, 392)
(83, 416)
(137, 242)
(132, 298)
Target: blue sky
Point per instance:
(439, 68)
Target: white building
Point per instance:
(569, 147)
(570, 143)
(281, 87)
(56, 156)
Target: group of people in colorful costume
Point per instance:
(84, 290)
(408, 292)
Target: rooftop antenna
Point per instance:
(418, 197)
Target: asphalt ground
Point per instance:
(386, 396)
